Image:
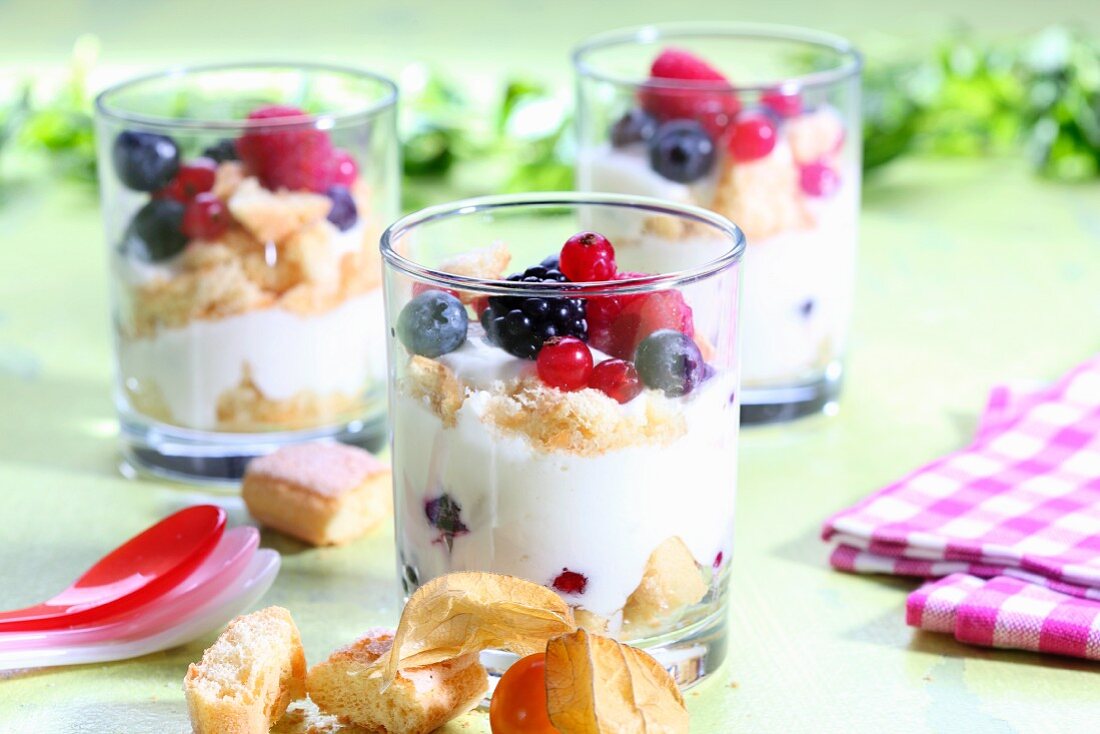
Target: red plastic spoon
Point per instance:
(141, 569)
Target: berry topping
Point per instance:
(617, 379)
(518, 705)
(636, 126)
(626, 320)
(221, 151)
(682, 151)
(194, 177)
(205, 217)
(670, 361)
(807, 308)
(344, 214)
(586, 257)
(144, 161)
(714, 109)
(718, 560)
(445, 515)
(345, 169)
(156, 231)
(295, 158)
(753, 137)
(432, 324)
(520, 325)
(784, 102)
(565, 362)
(570, 582)
(818, 179)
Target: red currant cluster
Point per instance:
(205, 216)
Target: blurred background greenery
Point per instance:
(486, 84)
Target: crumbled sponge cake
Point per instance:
(436, 385)
(590, 621)
(271, 216)
(763, 196)
(227, 179)
(419, 700)
(246, 408)
(322, 493)
(671, 582)
(585, 422)
(814, 136)
(487, 263)
(247, 677)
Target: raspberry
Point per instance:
(718, 560)
(520, 325)
(299, 158)
(587, 257)
(713, 109)
(753, 138)
(818, 180)
(565, 362)
(617, 379)
(194, 177)
(570, 582)
(617, 324)
(205, 217)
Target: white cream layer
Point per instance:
(339, 351)
(532, 513)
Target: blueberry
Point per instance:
(551, 262)
(156, 231)
(144, 161)
(344, 213)
(682, 151)
(636, 126)
(807, 308)
(445, 515)
(222, 151)
(432, 324)
(669, 360)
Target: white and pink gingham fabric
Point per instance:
(1020, 506)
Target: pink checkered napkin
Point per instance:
(1007, 612)
(1021, 502)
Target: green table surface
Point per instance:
(970, 273)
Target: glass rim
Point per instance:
(850, 65)
(556, 199)
(388, 100)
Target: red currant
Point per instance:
(587, 257)
(345, 169)
(194, 177)
(570, 582)
(565, 363)
(785, 103)
(205, 217)
(819, 179)
(617, 379)
(753, 137)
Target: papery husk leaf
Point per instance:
(595, 685)
(463, 613)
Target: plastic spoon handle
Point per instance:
(142, 568)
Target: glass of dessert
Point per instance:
(761, 124)
(243, 206)
(566, 412)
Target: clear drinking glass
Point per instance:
(585, 479)
(767, 132)
(243, 206)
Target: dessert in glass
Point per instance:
(243, 206)
(760, 124)
(566, 412)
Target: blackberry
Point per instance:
(521, 324)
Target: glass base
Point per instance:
(218, 460)
(760, 405)
(689, 654)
